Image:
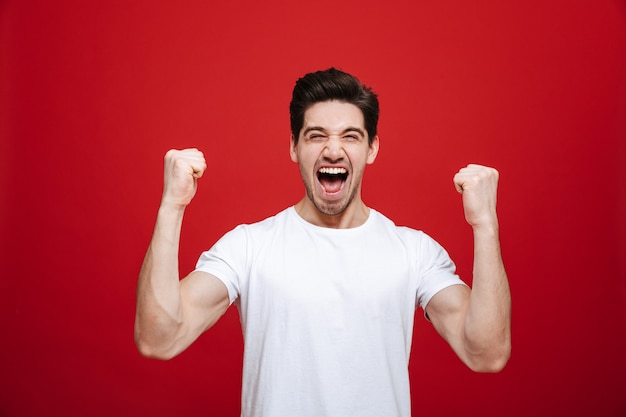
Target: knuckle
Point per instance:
(172, 154)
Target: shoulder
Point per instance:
(384, 223)
(268, 224)
(242, 243)
(260, 229)
(416, 239)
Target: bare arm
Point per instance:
(477, 322)
(171, 314)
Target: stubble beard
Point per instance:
(331, 209)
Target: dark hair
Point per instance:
(332, 84)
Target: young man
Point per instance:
(327, 288)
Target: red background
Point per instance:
(92, 94)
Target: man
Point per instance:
(326, 289)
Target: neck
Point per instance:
(355, 215)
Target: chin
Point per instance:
(333, 208)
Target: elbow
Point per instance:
(488, 353)
(491, 362)
(150, 352)
(157, 336)
(492, 366)
(150, 349)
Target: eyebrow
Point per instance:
(346, 130)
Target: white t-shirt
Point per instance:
(327, 314)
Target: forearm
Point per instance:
(487, 327)
(158, 314)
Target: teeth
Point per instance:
(332, 171)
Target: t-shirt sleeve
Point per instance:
(437, 271)
(226, 260)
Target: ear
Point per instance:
(292, 148)
(373, 150)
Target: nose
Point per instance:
(334, 148)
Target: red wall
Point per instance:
(92, 94)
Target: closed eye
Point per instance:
(315, 136)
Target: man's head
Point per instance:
(333, 121)
(332, 84)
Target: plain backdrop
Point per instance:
(92, 95)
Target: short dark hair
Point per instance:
(332, 84)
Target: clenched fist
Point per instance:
(182, 170)
(478, 185)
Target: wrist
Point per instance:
(490, 228)
(168, 209)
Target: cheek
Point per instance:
(360, 159)
(307, 158)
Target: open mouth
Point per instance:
(332, 178)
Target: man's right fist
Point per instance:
(182, 170)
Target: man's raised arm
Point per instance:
(477, 322)
(171, 314)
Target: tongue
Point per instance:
(331, 184)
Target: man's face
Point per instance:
(332, 152)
